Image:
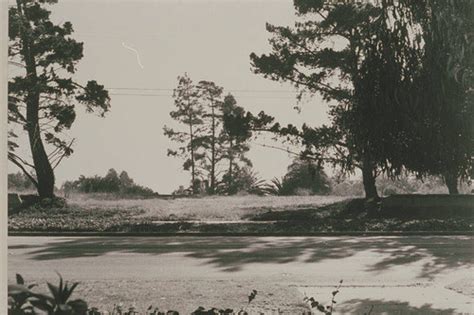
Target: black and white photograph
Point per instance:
(246, 157)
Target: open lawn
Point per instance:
(218, 208)
(221, 215)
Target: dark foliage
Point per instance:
(20, 182)
(388, 112)
(189, 112)
(214, 139)
(242, 180)
(23, 301)
(302, 177)
(110, 183)
(441, 106)
(42, 100)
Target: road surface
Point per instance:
(389, 274)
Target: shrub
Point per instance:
(303, 178)
(404, 184)
(347, 188)
(275, 187)
(110, 183)
(244, 180)
(20, 182)
(305, 174)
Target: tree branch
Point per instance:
(12, 158)
(64, 154)
(22, 161)
(280, 149)
(18, 64)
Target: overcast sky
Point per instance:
(210, 40)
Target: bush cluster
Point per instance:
(20, 182)
(111, 183)
(303, 177)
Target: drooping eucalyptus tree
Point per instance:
(324, 53)
(391, 70)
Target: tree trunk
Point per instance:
(193, 171)
(368, 179)
(231, 162)
(43, 169)
(213, 152)
(452, 183)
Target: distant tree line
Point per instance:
(20, 182)
(111, 183)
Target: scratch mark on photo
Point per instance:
(136, 53)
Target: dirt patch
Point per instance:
(185, 296)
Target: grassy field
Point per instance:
(296, 215)
(218, 208)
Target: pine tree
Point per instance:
(43, 99)
(189, 112)
(210, 96)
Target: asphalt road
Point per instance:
(394, 274)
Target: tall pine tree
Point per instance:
(188, 112)
(43, 99)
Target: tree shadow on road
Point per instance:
(364, 306)
(233, 253)
(442, 252)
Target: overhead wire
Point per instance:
(170, 95)
(141, 92)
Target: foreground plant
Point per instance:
(328, 309)
(119, 310)
(228, 311)
(24, 301)
(18, 297)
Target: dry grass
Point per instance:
(218, 208)
(185, 296)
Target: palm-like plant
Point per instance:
(275, 187)
(243, 179)
(58, 303)
(18, 297)
(256, 184)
